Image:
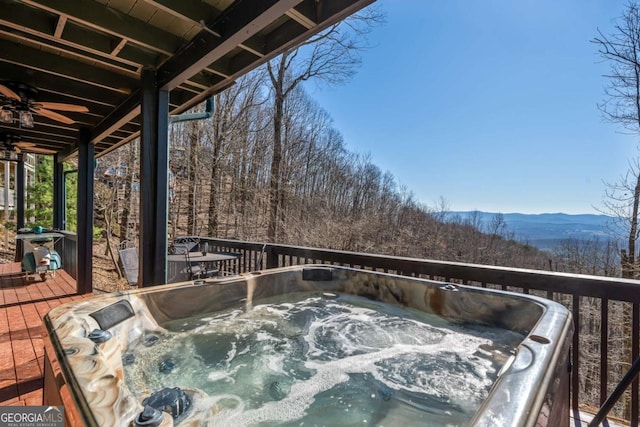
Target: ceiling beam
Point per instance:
(50, 63)
(117, 54)
(199, 14)
(301, 18)
(116, 50)
(195, 11)
(238, 22)
(66, 135)
(62, 21)
(103, 18)
(35, 35)
(121, 115)
(84, 54)
(77, 92)
(275, 45)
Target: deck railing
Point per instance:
(606, 311)
(68, 250)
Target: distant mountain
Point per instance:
(546, 231)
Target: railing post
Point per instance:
(20, 187)
(272, 257)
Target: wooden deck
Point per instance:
(23, 304)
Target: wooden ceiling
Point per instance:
(91, 53)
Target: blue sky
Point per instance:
(490, 104)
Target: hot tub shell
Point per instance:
(88, 378)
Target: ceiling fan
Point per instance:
(21, 98)
(13, 143)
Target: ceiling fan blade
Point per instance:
(24, 144)
(17, 149)
(9, 93)
(61, 107)
(54, 116)
(39, 150)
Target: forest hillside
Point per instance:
(328, 197)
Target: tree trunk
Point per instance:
(128, 184)
(629, 268)
(276, 160)
(192, 210)
(218, 136)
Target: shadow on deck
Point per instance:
(23, 303)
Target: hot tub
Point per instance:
(310, 345)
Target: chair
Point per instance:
(129, 260)
(190, 242)
(193, 271)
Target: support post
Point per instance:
(7, 166)
(58, 194)
(7, 185)
(154, 165)
(85, 214)
(19, 205)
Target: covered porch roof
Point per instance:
(96, 74)
(91, 53)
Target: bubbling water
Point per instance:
(314, 360)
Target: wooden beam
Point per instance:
(127, 112)
(116, 50)
(111, 21)
(191, 10)
(276, 44)
(238, 22)
(29, 32)
(121, 115)
(199, 14)
(62, 21)
(301, 19)
(56, 65)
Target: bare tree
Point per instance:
(622, 199)
(130, 174)
(331, 56)
(622, 105)
(230, 122)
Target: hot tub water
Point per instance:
(324, 359)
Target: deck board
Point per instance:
(23, 304)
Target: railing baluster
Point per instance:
(575, 354)
(604, 347)
(635, 341)
(556, 286)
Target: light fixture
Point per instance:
(10, 156)
(6, 116)
(26, 119)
